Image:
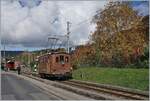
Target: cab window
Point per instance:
(66, 59)
(61, 59)
(57, 59)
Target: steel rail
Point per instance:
(116, 88)
(100, 89)
(107, 90)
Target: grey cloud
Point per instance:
(30, 27)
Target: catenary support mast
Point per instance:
(68, 33)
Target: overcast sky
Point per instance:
(28, 23)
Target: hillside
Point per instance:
(11, 53)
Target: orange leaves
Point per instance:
(118, 31)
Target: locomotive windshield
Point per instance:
(62, 59)
(57, 59)
(66, 59)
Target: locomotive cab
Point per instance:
(55, 65)
(10, 65)
(61, 64)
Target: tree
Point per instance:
(84, 55)
(119, 34)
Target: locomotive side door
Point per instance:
(49, 64)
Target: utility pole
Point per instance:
(28, 58)
(68, 33)
(4, 53)
(4, 56)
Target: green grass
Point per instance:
(132, 78)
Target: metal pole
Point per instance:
(68, 32)
(28, 54)
(28, 59)
(4, 53)
(4, 57)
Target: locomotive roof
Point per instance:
(59, 53)
(53, 53)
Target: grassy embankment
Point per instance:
(132, 78)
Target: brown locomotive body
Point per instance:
(55, 65)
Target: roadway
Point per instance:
(15, 88)
(18, 87)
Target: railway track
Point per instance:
(124, 94)
(110, 91)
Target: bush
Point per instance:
(117, 61)
(143, 61)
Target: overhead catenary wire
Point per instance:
(78, 24)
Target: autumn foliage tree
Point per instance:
(120, 36)
(84, 55)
